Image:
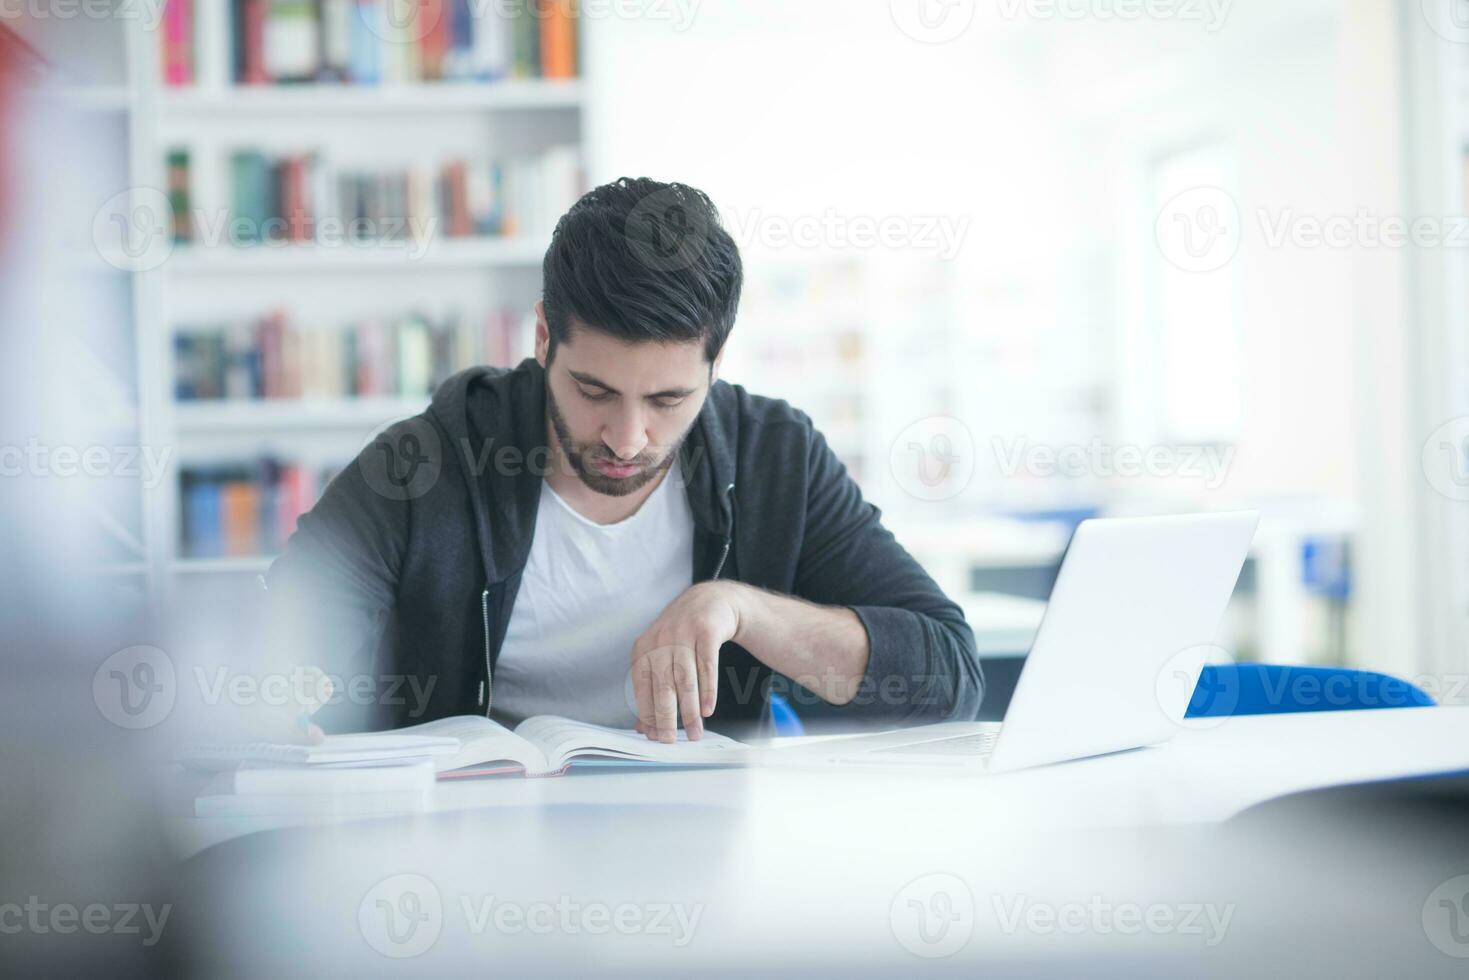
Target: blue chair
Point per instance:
(1267, 689)
(784, 716)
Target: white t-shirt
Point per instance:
(589, 591)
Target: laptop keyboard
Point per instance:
(980, 743)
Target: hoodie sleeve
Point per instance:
(923, 665)
(330, 595)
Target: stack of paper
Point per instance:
(344, 775)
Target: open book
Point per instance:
(546, 744)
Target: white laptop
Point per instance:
(1132, 618)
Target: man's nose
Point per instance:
(627, 436)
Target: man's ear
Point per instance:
(714, 368)
(543, 335)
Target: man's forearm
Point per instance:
(822, 648)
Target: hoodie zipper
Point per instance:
(729, 535)
(487, 689)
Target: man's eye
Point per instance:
(595, 396)
(667, 404)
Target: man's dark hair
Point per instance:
(642, 260)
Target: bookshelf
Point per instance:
(193, 99)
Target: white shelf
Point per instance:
(526, 94)
(463, 253)
(214, 566)
(234, 416)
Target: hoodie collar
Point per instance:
(486, 410)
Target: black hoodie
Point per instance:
(408, 566)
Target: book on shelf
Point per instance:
(302, 198)
(405, 356)
(178, 43)
(178, 195)
(244, 511)
(370, 42)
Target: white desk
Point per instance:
(1205, 774)
(817, 872)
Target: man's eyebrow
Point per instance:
(588, 379)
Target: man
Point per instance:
(610, 533)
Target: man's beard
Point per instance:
(581, 458)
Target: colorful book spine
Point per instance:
(179, 206)
(178, 42)
(558, 38)
(245, 510)
(367, 27)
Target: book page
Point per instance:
(481, 740)
(561, 740)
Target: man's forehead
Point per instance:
(646, 365)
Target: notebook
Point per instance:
(547, 744)
(470, 745)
